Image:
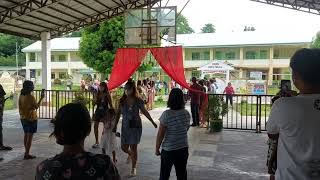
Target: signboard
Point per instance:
(215, 67)
(256, 75)
(256, 87)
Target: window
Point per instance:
(195, 56)
(218, 55)
(62, 75)
(206, 55)
(62, 58)
(250, 55)
(32, 57)
(195, 74)
(52, 58)
(53, 76)
(263, 54)
(230, 55)
(276, 53)
(38, 73)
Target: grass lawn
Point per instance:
(9, 105)
(251, 109)
(160, 104)
(59, 87)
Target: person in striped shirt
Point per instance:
(173, 137)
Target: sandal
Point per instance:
(95, 146)
(27, 157)
(5, 148)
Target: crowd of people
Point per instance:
(293, 126)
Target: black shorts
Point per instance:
(29, 126)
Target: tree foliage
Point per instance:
(208, 28)
(99, 43)
(316, 41)
(8, 49)
(183, 26)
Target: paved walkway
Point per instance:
(230, 155)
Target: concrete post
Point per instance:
(270, 72)
(211, 54)
(69, 62)
(46, 60)
(27, 66)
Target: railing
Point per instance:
(55, 99)
(248, 112)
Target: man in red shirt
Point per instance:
(229, 93)
(195, 101)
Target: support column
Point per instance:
(211, 54)
(240, 73)
(270, 72)
(46, 60)
(27, 66)
(69, 62)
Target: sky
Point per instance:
(234, 15)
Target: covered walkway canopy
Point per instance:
(46, 19)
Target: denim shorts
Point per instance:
(29, 126)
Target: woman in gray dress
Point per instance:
(131, 130)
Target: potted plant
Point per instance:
(217, 108)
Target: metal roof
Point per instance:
(310, 6)
(250, 38)
(28, 18)
(200, 40)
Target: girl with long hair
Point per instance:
(131, 130)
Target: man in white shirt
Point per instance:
(213, 86)
(297, 121)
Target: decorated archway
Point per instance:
(128, 60)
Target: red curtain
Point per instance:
(127, 61)
(171, 61)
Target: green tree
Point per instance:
(183, 26)
(99, 43)
(316, 41)
(208, 28)
(8, 49)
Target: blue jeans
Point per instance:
(195, 114)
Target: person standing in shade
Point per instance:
(229, 93)
(103, 101)
(28, 115)
(2, 102)
(173, 136)
(195, 101)
(295, 121)
(131, 130)
(71, 126)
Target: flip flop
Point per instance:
(27, 157)
(5, 148)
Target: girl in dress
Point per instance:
(108, 138)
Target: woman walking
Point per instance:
(131, 130)
(103, 102)
(28, 115)
(173, 137)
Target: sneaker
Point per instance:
(95, 146)
(133, 172)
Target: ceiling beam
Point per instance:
(102, 4)
(24, 8)
(98, 17)
(306, 6)
(73, 9)
(5, 31)
(87, 6)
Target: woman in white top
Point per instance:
(297, 121)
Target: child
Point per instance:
(108, 138)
